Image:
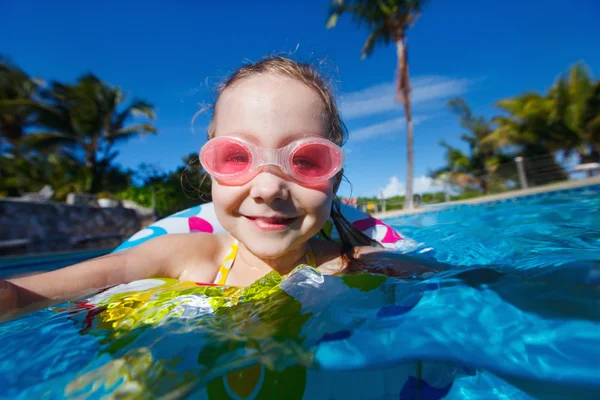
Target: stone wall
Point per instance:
(39, 227)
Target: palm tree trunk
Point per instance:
(92, 165)
(403, 94)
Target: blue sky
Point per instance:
(174, 53)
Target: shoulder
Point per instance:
(180, 254)
(173, 243)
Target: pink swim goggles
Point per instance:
(236, 161)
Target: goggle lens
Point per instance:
(228, 158)
(314, 161)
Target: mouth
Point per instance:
(271, 223)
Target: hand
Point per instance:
(9, 300)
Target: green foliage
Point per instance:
(63, 135)
(169, 197)
(478, 168)
(535, 126)
(17, 103)
(187, 186)
(85, 118)
(565, 119)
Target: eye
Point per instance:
(304, 162)
(237, 158)
(232, 158)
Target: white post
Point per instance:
(521, 171)
(446, 191)
(382, 200)
(445, 178)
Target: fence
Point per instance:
(520, 173)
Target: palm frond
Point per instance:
(337, 8)
(46, 140)
(140, 107)
(380, 34)
(131, 131)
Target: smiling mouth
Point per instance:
(271, 223)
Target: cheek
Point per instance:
(316, 200)
(225, 200)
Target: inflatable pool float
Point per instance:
(202, 218)
(265, 341)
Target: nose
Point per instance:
(269, 186)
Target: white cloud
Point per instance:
(380, 98)
(421, 184)
(393, 188)
(383, 128)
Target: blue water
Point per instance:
(513, 312)
(535, 265)
(12, 266)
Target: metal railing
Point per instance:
(520, 173)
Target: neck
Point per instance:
(283, 264)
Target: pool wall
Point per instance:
(36, 227)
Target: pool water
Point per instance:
(513, 312)
(20, 265)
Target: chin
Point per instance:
(269, 248)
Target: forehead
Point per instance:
(270, 109)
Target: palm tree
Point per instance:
(475, 167)
(17, 92)
(576, 109)
(17, 114)
(85, 117)
(479, 167)
(531, 131)
(478, 128)
(388, 21)
(566, 119)
(530, 124)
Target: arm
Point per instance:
(8, 297)
(94, 274)
(390, 263)
(150, 259)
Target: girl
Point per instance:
(275, 159)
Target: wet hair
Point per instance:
(335, 130)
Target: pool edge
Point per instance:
(494, 198)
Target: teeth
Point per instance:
(272, 219)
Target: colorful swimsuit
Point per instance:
(225, 267)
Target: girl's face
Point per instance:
(271, 214)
